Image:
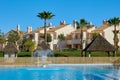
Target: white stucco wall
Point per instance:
(52, 42)
(108, 34)
(91, 29)
(36, 38)
(65, 30)
(42, 31)
(84, 35)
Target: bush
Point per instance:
(67, 53)
(73, 49)
(70, 49)
(60, 55)
(24, 54)
(1, 54)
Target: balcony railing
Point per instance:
(74, 41)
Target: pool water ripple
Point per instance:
(102, 72)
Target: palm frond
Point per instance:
(45, 15)
(114, 21)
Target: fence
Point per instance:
(27, 61)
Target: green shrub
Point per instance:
(69, 49)
(1, 54)
(72, 49)
(67, 53)
(24, 54)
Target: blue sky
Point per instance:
(23, 12)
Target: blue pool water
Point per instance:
(61, 72)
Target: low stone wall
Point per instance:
(28, 61)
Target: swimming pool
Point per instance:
(61, 72)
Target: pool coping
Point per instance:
(55, 65)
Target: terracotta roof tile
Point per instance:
(20, 33)
(37, 30)
(100, 29)
(84, 29)
(57, 27)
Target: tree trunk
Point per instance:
(81, 41)
(45, 35)
(115, 38)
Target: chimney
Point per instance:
(50, 24)
(90, 24)
(29, 29)
(105, 22)
(62, 22)
(75, 24)
(18, 27)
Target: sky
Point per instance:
(24, 12)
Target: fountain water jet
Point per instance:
(43, 54)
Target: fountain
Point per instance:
(42, 52)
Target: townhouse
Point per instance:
(107, 31)
(74, 39)
(64, 29)
(72, 35)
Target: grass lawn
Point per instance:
(68, 53)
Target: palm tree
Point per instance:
(81, 24)
(115, 22)
(45, 15)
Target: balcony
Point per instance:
(69, 41)
(74, 41)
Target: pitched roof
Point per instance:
(101, 28)
(10, 48)
(99, 44)
(83, 29)
(37, 30)
(57, 27)
(20, 33)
